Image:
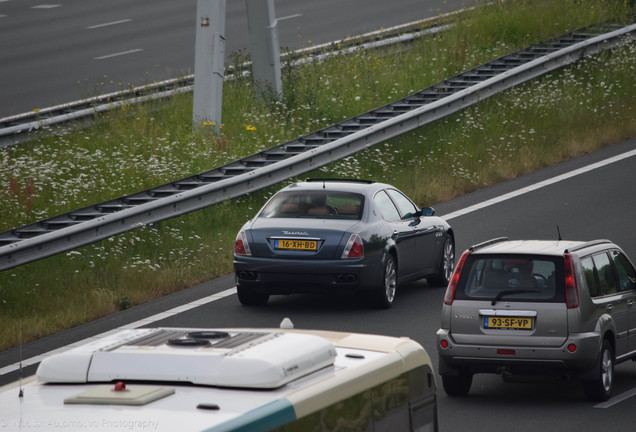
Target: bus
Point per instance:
(244, 379)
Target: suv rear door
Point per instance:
(510, 299)
(626, 275)
(602, 285)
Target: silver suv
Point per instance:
(520, 308)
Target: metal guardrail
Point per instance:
(89, 224)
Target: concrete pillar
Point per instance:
(265, 48)
(209, 64)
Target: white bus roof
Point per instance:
(201, 379)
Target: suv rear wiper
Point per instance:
(501, 294)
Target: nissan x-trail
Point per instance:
(535, 307)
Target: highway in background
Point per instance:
(58, 51)
(589, 197)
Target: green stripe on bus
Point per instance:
(264, 418)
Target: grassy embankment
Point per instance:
(578, 109)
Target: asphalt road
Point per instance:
(59, 51)
(589, 197)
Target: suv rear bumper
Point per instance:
(525, 359)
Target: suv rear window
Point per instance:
(533, 278)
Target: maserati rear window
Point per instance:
(315, 204)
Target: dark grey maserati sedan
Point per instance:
(323, 235)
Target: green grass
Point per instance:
(578, 109)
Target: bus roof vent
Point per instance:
(227, 358)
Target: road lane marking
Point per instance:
(232, 291)
(289, 17)
(140, 323)
(617, 399)
(118, 54)
(539, 185)
(108, 24)
(45, 6)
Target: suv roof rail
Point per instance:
(487, 243)
(587, 244)
(339, 180)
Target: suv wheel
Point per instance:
(446, 264)
(385, 294)
(600, 388)
(457, 385)
(249, 297)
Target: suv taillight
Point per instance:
(452, 285)
(571, 288)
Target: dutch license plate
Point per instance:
(508, 323)
(310, 245)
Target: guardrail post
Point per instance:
(265, 48)
(209, 62)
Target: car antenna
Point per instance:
(324, 185)
(559, 232)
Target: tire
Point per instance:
(600, 387)
(250, 297)
(457, 385)
(446, 264)
(385, 295)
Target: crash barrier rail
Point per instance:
(266, 168)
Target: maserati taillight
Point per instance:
(241, 246)
(354, 247)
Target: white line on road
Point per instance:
(617, 399)
(108, 24)
(539, 185)
(140, 323)
(232, 291)
(45, 6)
(118, 54)
(289, 17)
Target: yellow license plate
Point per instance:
(310, 245)
(508, 323)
